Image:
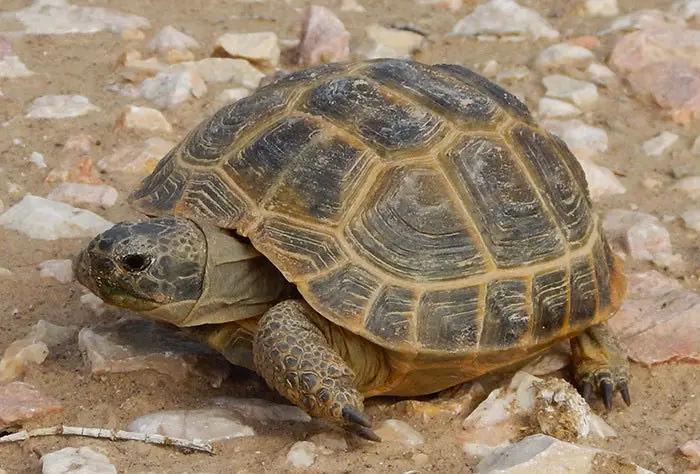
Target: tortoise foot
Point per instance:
(601, 366)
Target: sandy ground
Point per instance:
(666, 405)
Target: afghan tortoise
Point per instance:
(381, 227)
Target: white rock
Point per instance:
(584, 140)
(601, 181)
(600, 428)
(638, 234)
(389, 43)
(691, 219)
(233, 95)
(207, 424)
(644, 19)
(554, 108)
(61, 270)
(695, 150)
(170, 38)
(581, 93)
(658, 145)
(261, 49)
(513, 74)
(257, 409)
(397, 430)
(12, 67)
(140, 158)
(45, 219)
(562, 53)
(60, 106)
(689, 185)
(144, 118)
(216, 70)
(93, 302)
(76, 461)
(58, 17)
(600, 74)
(687, 9)
(602, 7)
(351, 6)
(324, 38)
(82, 193)
(169, 89)
(504, 18)
(36, 158)
(302, 454)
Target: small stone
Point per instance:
(81, 193)
(602, 7)
(324, 38)
(12, 67)
(691, 219)
(135, 69)
(585, 141)
(76, 461)
(695, 150)
(686, 9)
(93, 302)
(689, 185)
(175, 56)
(206, 424)
(134, 344)
(504, 18)
(61, 270)
(74, 169)
(60, 106)
(390, 43)
(139, 159)
(397, 430)
(514, 74)
(691, 450)
(261, 49)
(639, 235)
(556, 358)
(40, 218)
(672, 85)
(20, 402)
(600, 74)
(80, 144)
(600, 428)
(329, 442)
(490, 68)
(36, 158)
(639, 49)
(232, 95)
(601, 181)
(170, 38)
(451, 5)
(169, 89)
(553, 108)
(420, 459)
(132, 34)
(658, 145)
(145, 119)
(256, 409)
(5, 273)
(351, 6)
(561, 54)
(647, 19)
(560, 411)
(581, 93)
(652, 183)
(217, 70)
(302, 454)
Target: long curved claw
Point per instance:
(365, 433)
(624, 391)
(587, 390)
(352, 415)
(606, 388)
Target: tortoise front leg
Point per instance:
(294, 358)
(600, 364)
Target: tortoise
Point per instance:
(381, 227)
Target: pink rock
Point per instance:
(636, 50)
(140, 159)
(324, 38)
(691, 449)
(20, 401)
(659, 320)
(81, 193)
(672, 84)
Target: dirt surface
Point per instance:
(666, 402)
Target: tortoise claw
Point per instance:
(606, 389)
(587, 390)
(353, 415)
(624, 391)
(364, 432)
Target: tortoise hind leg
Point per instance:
(294, 358)
(600, 364)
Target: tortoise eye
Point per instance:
(135, 262)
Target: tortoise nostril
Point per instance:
(135, 262)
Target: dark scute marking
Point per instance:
(455, 99)
(391, 314)
(506, 317)
(504, 98)
(550, 293)
(345, 292)
(215, 136)
(449, 319)
(210, 197)
(573, 164)
(603, 263)
(309, 75)
(387, 123)
(300, 251)
(257, 167)
(160, 191)
(583, 293)
(516, 227)
(562, 191)
(319, 184)
(412, 229)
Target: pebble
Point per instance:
(513, 74)
(384, 42)
(61, 270)
(691, 450)
(135, 69)
(60, 106)
(556, 358)
(581, 93)
(560, 411)
(135, 344)
(170, 38)
(352, 6)
(40, 218)
(451, 403)
(658, 145)
(94, 303)
(553, 108)
(602, 7)
(539, 453)
(139, 159)
(302, 454)
(399, 431)
(132, 34)
(562, 54)
(647, 19)
(206, 424)
(144, 119)
(601, 181)
(329, 442)
(84, 193)
(636, 50)
(76, 461)
(659, 320)
(257, 409)
(686, 9)
(174, 56)
(169, 89)
(691, 219)
(58, 17)
(640, 235)
(600, 74)
(585, 141)
(233, 95)
(689, 186)
(80, 144)
(220, 70)
(324, 38)
(21, 401)
(74, 169)
(504, 18)
(262, 49)
(12, 67)
(36, 158)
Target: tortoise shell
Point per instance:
(417, 206)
